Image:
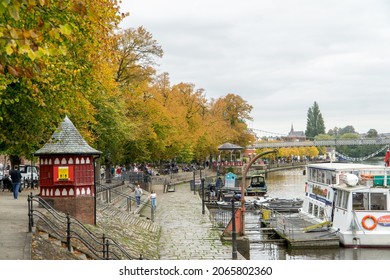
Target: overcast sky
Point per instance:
(279, 55)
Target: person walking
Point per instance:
(102, 171)
(153, 199)
(16, 178)
(138, 192)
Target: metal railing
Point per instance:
(73, 233)
(110, 190)
(220, 218)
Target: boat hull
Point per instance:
(364, 240)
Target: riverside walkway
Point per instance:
(186, 233)
(15, 240)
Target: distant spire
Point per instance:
(292, 128)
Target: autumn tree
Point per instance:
(67, 57)
(54, 61)
(138, 52)
(234, 113)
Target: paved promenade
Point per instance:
(15, 240)
(186, 233)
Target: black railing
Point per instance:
(69, 230)
(110, 190)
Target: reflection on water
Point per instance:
(290, 184)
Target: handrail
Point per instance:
(129, 197)
(66, 228)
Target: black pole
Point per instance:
(203, 206)
(104, 247)
(95, 165)
(68, 232)
(194, 182)
(234, 235)
(30, 219)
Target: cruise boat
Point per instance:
(354, 198)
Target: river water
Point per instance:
(290, 184)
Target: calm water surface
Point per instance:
(290, 184)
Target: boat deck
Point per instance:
(293, 229)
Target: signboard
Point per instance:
(63, 173)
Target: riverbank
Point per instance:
(179, 232)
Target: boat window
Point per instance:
(310, 208)
(378, 201)
(322, 212)
(334, 178)
(342, 199)
(328, 177)
(359, 201)
(314, 175)
(344, 203)
(321, 177)
(315, 213)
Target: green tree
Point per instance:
(372, 133)
(315, 123)
(346, 130)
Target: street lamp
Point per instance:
(203, 203)
(194, 182)
(243, 186)
(234, 234)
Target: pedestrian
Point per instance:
(218, 183)
(138, 192)
(118, 171)
(16, 178)
(153, 199)
(212, 192)
(102, 171)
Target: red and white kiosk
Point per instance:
(67, 177)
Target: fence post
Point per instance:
(128, 204)
(68, 232)
(234, 234)
(104, 247)
(30, 213)
(107, 249)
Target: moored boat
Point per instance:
(354, 198)
(257, 185)
(292, 205)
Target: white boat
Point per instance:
(354, 198)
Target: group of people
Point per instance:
(152, 197)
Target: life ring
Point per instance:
(372, 218)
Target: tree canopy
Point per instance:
(69, 57)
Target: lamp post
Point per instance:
(243, 186)
(194, 182)
(234, 235)
(203, 203)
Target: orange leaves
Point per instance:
(14, 71)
